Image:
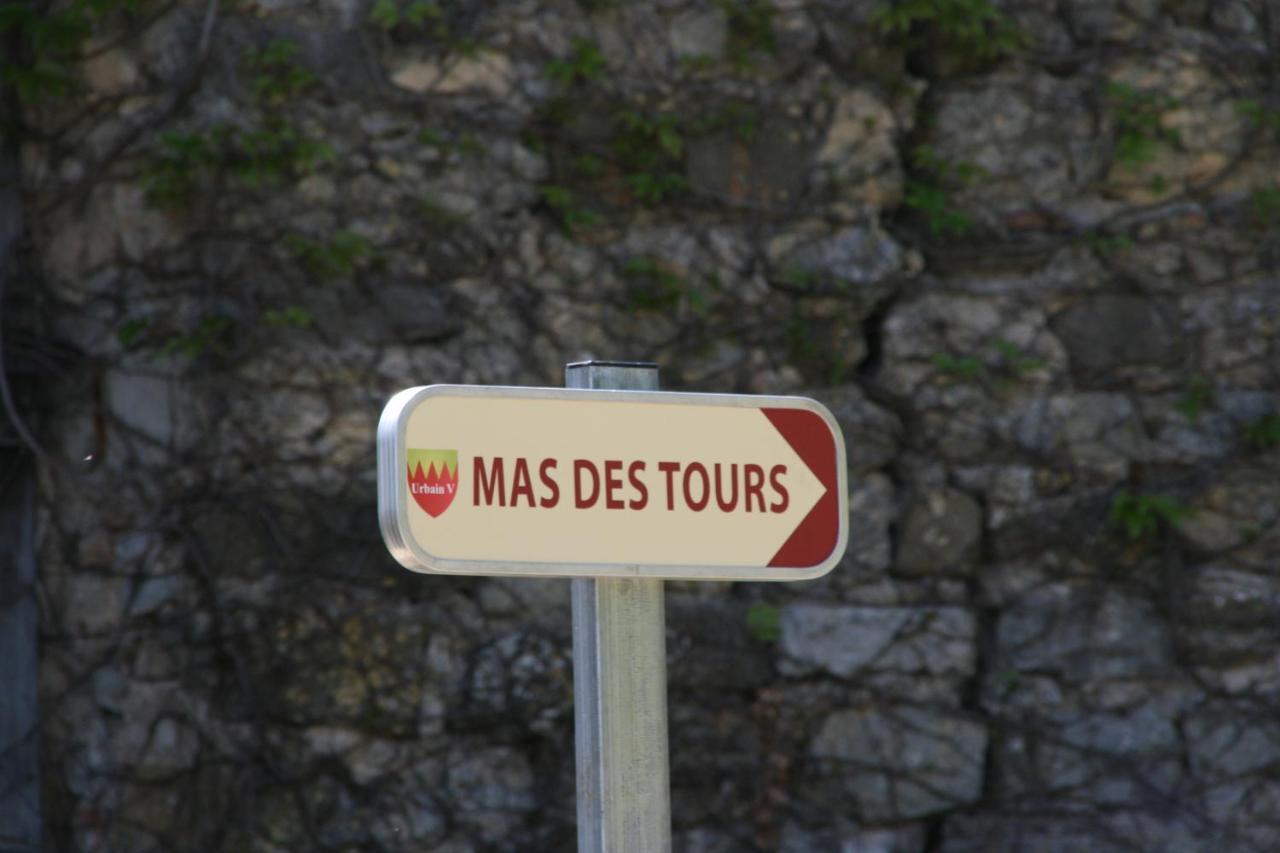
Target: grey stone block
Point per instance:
(904, 762)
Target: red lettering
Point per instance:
(544, 473)
(487, 485)
(633, 474)
(580, 465)
(670, 469)
(727, 506)
(784, 500)
(520, 482)
(698, 505)
(612, 482)
(753, 485)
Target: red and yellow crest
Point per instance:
(433, 479)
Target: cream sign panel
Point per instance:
(543, 481)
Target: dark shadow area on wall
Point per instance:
(20, 818)
(20, 815)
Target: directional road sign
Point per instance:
(489, 480)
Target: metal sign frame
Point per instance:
(393, 490)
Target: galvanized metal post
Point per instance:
(620, 685)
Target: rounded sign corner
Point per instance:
(837, 553)
(403, 549)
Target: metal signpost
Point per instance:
(619, 486)
(620, 686)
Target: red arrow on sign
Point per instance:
(811, 438)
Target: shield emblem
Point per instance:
(433, 479)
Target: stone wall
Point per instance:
(1027, 253)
